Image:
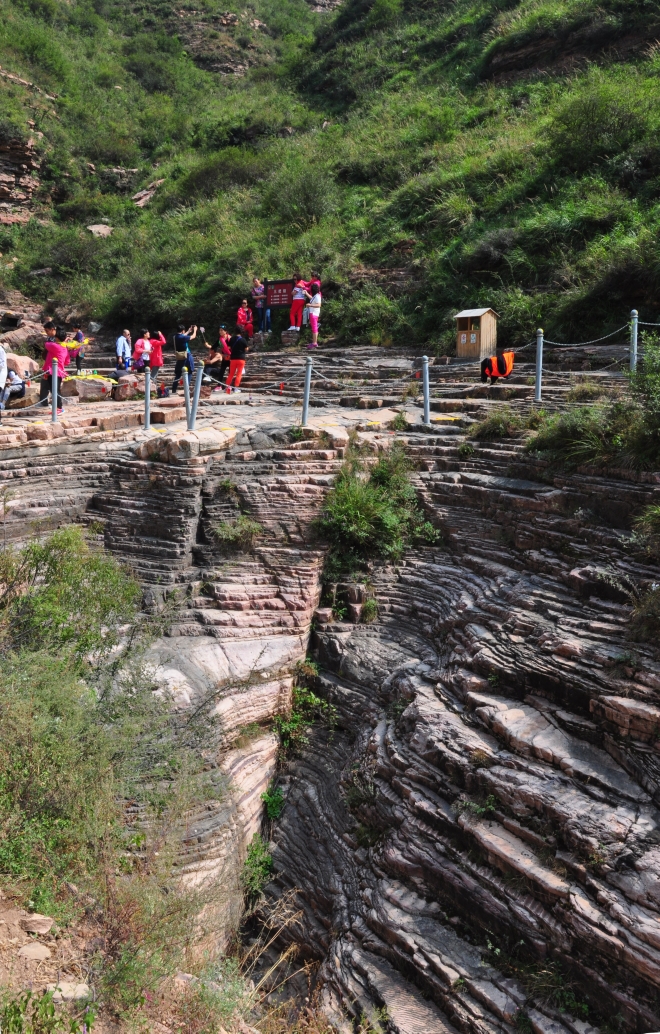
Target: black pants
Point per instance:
(79, 362)
(46, 387)
(218, 373)
(178, 370)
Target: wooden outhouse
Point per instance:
(476, 333)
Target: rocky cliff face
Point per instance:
(19, 164)
(474, 846)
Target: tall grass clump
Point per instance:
(623, 433)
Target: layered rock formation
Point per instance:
(476, 844)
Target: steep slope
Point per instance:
(468, 152)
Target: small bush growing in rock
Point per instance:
(256, 869)
(239, 534)
(369, 611)
(273, 800)
(372, 513)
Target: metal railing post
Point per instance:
(186, 394)
(147, 398)
(199, 373)
(308, 385)
(53, 393)
(539, 364)
(634, 320)
(427, 392)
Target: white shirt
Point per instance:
(3, 367)
(316, 301)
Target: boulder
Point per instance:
(70, 388)
(94, 389)
(21, 364)
(27, 334)
(68, 991)
(182, 446)
(37, 923)
(35, 952)
(30, 398)
(127, 387)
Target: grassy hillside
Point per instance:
(421, 156)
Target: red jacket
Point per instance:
(157, 349)
(243, 316)
(55, 350)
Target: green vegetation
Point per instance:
(369, 611)
(240, 534)
(24, 1013)
(306, 708)
(256, 869)
(81, 732)
(619, 433)
(386, 134)
(371, 511)
(273, 799)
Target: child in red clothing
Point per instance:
(298, 302)
(244, 320)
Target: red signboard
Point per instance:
(278, 293)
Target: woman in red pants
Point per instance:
(238, 347)
(298, 302)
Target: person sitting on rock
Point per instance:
(14, 388)
(244, 319)
(495, 366)
(3, 368)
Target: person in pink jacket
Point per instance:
(54, 348)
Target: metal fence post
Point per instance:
(308, 385)
(539, 364)
(634, 320)
(427, 392)
(53, 394)
(147, 398)
(186, 394)
(199, 373)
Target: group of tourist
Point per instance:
(224, 363)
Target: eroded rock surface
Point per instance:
(488, 804)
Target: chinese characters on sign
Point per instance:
(279, 293)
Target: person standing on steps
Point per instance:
(182, 353)
(123, 350)
(157, 343)
(259, 301)
(314, 309)
(298, 302)
(239, 348)
(78, 350)
(55, 348)
(142, 350)
(244, 319)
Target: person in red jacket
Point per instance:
(157, 361)
(244, 320)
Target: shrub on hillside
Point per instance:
(299, 196)
(605, 119)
